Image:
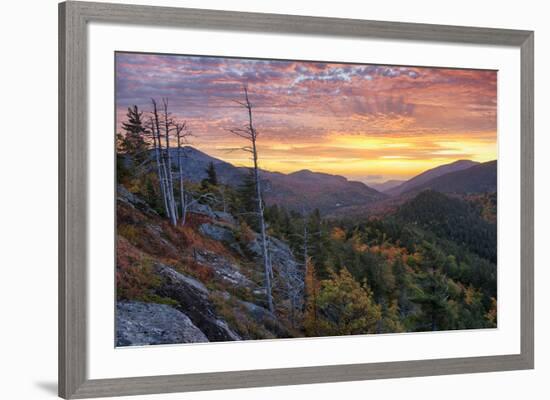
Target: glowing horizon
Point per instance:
(367, 122)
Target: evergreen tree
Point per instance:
(246, 201)
(311, 292)
(434, 292)
(212, 177)
(133, 141)
(320, 244)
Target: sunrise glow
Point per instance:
(366, 122)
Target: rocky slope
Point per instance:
(197, 283)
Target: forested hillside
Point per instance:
(481, 178)
(426, 176)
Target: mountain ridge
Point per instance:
(296, 190)
(307, 189)
(430, 174)
(476, 179)
(386, 185)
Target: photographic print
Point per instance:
(270, 199)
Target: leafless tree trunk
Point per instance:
(221, 191)
(293, 287)
(249, 133)
(155, 131)
(181, 135)
(168, 162)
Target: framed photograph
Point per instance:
(254, 200)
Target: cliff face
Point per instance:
(195, 283)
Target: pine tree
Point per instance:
(211, 176)
(434, 290)
(133, 142)
(320, 244)
(246, 201)
(311, 291)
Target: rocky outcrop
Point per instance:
(139, 324)
(280, 254)
(225, 217)
(265, 321)
(223, 268)
(206, 210)
(212, 257)
(202, 209)
(193, 300)
(125, 196)
(218, 233)
(265, 318)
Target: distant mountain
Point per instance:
(317, 190)
(428, 175)
(385, 186)
(195, 163)
(296, 190)
(477, 179)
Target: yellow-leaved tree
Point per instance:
(340, 306)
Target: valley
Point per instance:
(346, 258)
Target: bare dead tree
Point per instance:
(297, 290)
(249, 133)
(292, 277)
(168, 128)
(161, 170)
(221, 190)
(181, 135)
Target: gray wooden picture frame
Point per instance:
(73, 172)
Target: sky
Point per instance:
(370, 123)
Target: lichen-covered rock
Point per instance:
(223, 268)
(140, 324)
(125, 196)
(279, 253)
(174, 277)
(225, 217)
(202, 209)
(218, 233)
(194, 301)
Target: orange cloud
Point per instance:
(350, 119)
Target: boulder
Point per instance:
(140, 324)
(223, 268)
(218, 233)
(202, 209)
(258, 313)
(193, 299)
(225, 217)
